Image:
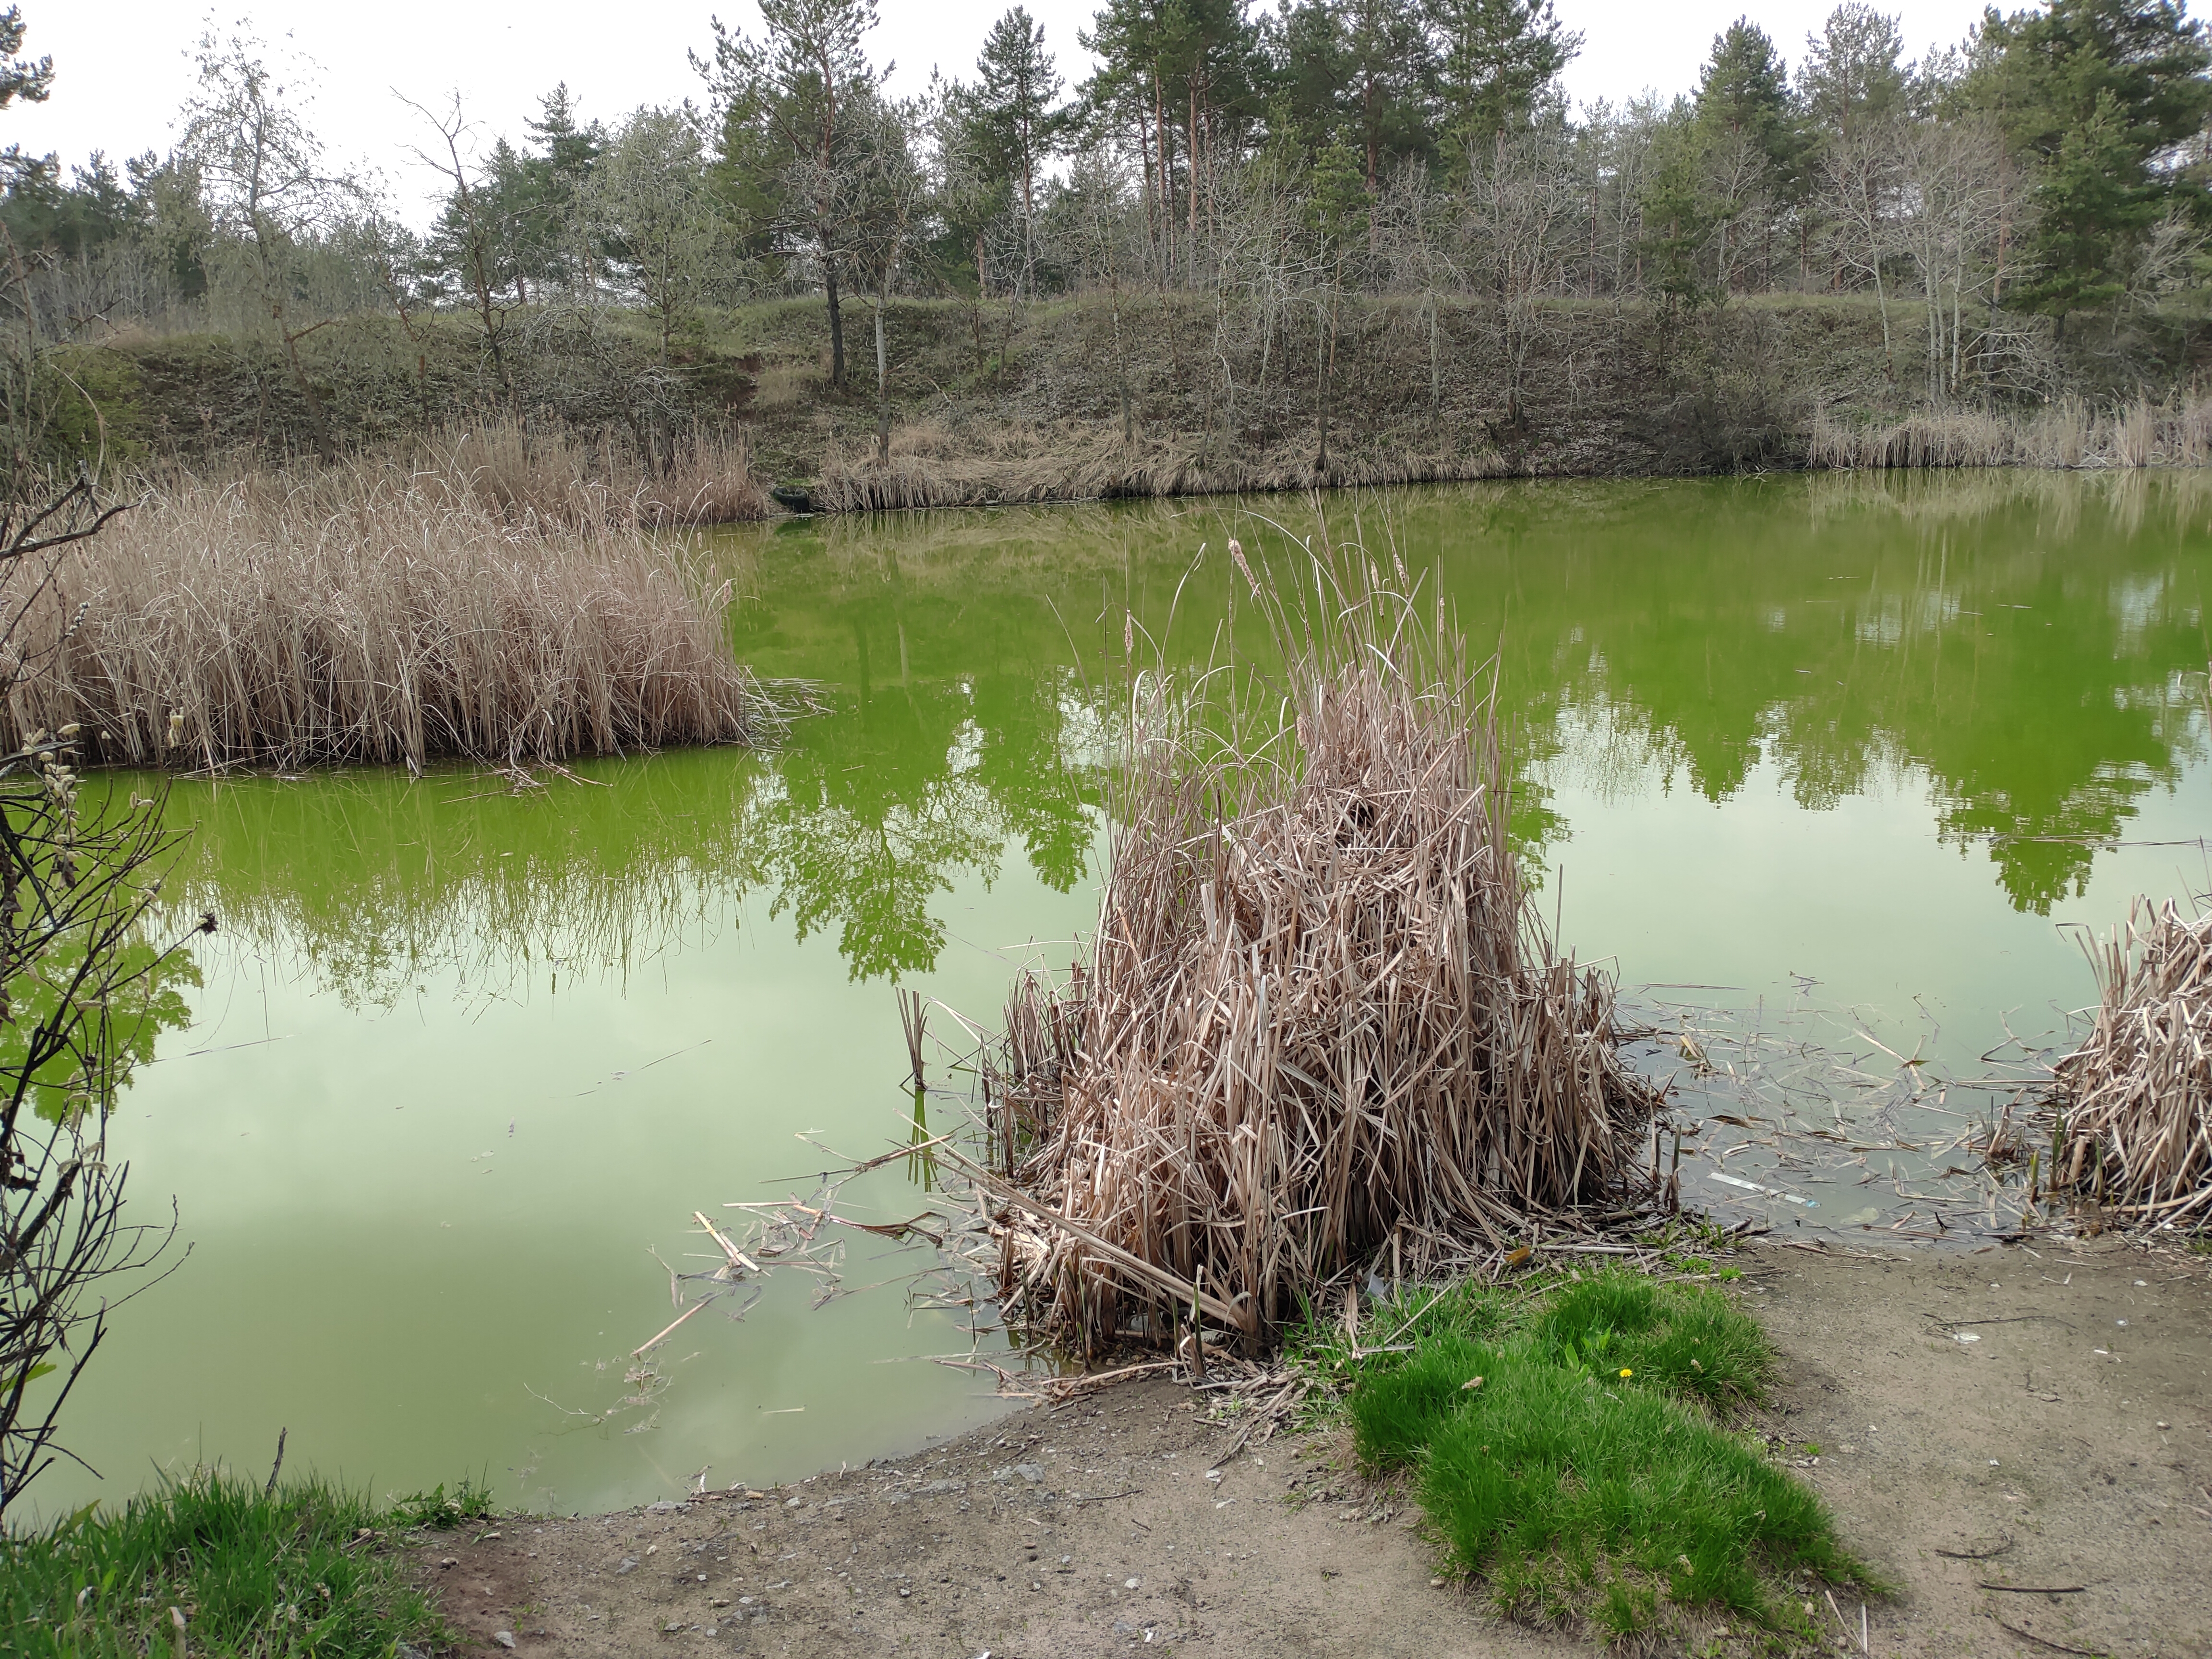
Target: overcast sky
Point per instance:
(123, 65)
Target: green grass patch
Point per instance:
(309, 1569)
(1589, 1472)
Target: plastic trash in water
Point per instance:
(1754, 1187)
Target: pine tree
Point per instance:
(1013, 100)
(1312, 72)
(1850, 74)
(552, 244)
(1499, 66)
(1390, 99)
(569, 148)
(1193, 65)
(1751, 148)
(2098, 93)
(20, 77)
(795, 104)
(1744, 88)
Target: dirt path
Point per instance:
(1096, 1528)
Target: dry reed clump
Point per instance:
(1321, 1018)
(697, 477)
(2135, 1125)
(371, 612)
(931, 469)
(2063, 434)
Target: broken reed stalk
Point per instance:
(1321, 1015)
(373, 611)
(2134, 1128)
(913, 1016)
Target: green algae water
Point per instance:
(461, 1063)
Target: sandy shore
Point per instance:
(1992, 1428)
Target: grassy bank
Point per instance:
(490, 598)
(1568, 1438)
(1092, 396)
(216, 1565)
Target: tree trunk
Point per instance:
(1190, 196)
(318, 423)
(836, 319)
(1881, 304)
(1167, 182)
(1436, 361)
(882, 393)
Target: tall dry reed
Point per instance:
(2066, 433)
(1320, 1017)
(374, 612)
(1013, 463)
(694, 477)
(2135, 1127)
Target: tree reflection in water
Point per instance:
(2026, 649)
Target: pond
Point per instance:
(461, 1064)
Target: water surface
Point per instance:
(462, 1063)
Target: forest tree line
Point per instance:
(2049, 172)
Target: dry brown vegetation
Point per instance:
(489, 601)
(931, 466)
(696, 477)
(2064, 432)
(2135, 1127)
(1321, 1018)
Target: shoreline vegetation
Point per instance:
(488, 596)
(753, 428)
(1574, 1446)
(1318, 1019)
(215, 1563)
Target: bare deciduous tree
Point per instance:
(83, 993)
(1858, 173)
(1947, 179)
(270, 191)
(478, 243)
(1523, 206)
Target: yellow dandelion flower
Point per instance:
(1624, 1371)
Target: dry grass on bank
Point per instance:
(1321, 1018)
(932, 467)
(2134, 1128)
(2066, 433)
(378, 611)
(701, 478)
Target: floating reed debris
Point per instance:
(1321, 1020)
(374, 612)
(2135, 1123)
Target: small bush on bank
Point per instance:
(310, 1569)
(1566, 1446)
